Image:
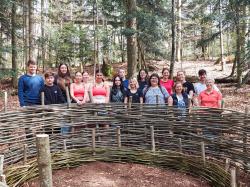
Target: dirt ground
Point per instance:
(101, 174)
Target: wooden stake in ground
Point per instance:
(1, 164)
(42, 99)
(5, 101)
(44, 160)
(152, 138)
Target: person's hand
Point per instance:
(78, 102)
(82, 102)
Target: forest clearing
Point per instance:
(134, 93)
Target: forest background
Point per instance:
(137, 33)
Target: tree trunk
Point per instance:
(178, 46)
(221, 42)
(122, 48)
(42, 36)
(25, 34)
(1, 45)
(173, 41)
(94, 27)
(30, 4)
(131, 39)
(240, 41)
(13, 45)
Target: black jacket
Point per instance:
(52, 95)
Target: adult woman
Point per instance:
(180, 98)
(134, 92)
(99, 90)
(165, 81)
(155, 93)
(63, 79)
(77, 89)
(117, 93)
(210, 97)
(142, 79)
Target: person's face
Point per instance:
(180, 76)
(121, 73)
(78, 77)
(99, 76)
(63, 69)
(85, 76)
(178, 88)
(117, 81)
(154, 81)
(49, 80)
(132, 84)
(165, 74)
(209, 84)
(32, 69)
(203, 77)
(143, 74)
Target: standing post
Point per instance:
(1, 164)
(3, 180)
(42, 99)
(157, 99)
(44, 160)
(118, 132)
(93, 141)
(5, 101)
(130, 102)
(233, 177)
(180, 145)
(25, 153)
(90, 96)
(245, 135)
(203, 153)
(227, 166)
(64, 145)
(152, 138)
(68, 96)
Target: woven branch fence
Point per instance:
(196, 141)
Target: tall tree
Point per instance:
(221, 38)
(13, 44)
(42, 35)
(30, 9)
(173, 29)
(131, 37)
(178, 46)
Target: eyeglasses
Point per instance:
(117, 80)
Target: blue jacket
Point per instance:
(29, 88)
(125, 83)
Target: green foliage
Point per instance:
(7, 73)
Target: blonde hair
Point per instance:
(136, 82)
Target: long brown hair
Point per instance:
(60, 74)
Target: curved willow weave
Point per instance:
(224, 133)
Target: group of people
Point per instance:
(147, 89)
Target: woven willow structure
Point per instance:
(196, 141)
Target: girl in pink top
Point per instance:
(100, 90)
(210, 97)
(166, 82)
(77, 89)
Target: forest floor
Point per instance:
(234, 98)
(101, 174)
